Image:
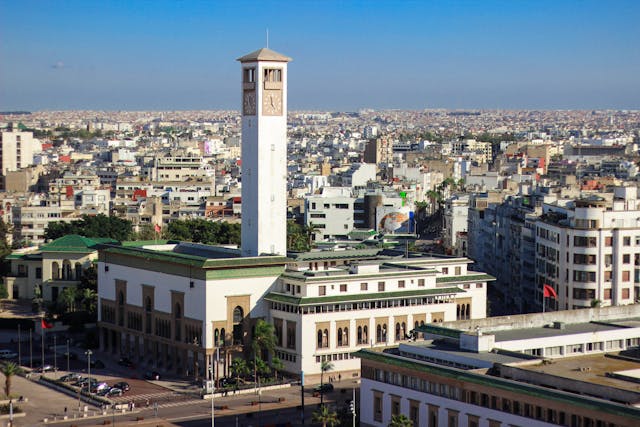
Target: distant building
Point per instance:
(17, 149)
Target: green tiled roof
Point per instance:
(289, 299)
(502, 383)
(347, 254)
(194, 260)
(75, 243)
(439, 330)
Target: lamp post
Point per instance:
(88, 353)
(55, 358)
(19, 346)
(68, 356)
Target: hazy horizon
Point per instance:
(347, 56)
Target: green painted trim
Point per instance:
(288, 299)
(500, 383)
(300, 277)
(237, 273)
(468, 278)
(439, 330)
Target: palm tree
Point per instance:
(325, 366)
(89, 299)
(325, 417)
(264, 341)
(400, 421)
(277, 365)
(240, 368)
(68, 297)
(9, 369)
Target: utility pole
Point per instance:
(19, 346)
(55, 359)
(68, 355)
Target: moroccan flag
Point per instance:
(156, 227)
(45, 324)
(548, 291)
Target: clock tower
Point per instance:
(264, 153)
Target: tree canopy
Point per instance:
(92, 226)
(200, 230)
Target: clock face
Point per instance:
(272, 103)
(249, 103)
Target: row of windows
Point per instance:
(366, 305)
(512, 406)
(334, 357)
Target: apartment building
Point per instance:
(16, 149)
(588, 250)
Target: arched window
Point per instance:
(223, 336)
(148, 308)
(403, 330)
(319, 338)
(216, 337)
(379, 333)
(345, 336)
(468, 311)
(397, 331)
(339, 337)
(360, 335)
(66, 270)
(365, 334)
(55, 271)
(78, 271)
(178, 324)
(238, 314)
(384, 332)
(121, 308)
(325, 338)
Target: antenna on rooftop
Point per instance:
(267, 38)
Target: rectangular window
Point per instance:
(608, 241)
(400, 283)
(322, 290)
(380, 286)
(421, 282)
(343, 288)
(38, 272)
(626, 276)
(377, 407)
(458, 271)
(607, 294)
(626, 259)
(625, 293)
(607, 276)
(626, 241)
(363, 286)
(445, 270)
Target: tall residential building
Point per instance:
(264, 152)
(16, 150)
(588, 250)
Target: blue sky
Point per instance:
(165, 55)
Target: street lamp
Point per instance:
(68, 356)
(88, 353)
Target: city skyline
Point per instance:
(348, 55)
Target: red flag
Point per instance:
(45, 324)
(548, 291)
(157, 228)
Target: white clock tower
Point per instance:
(264, 153)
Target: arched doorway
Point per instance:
(238, 325)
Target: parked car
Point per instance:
(115, 391)
(83, 382)
(125, 362)
(8, 354)
(45, 368)
(70, 377)
(124, 386)
(105, 391)
(98, 386)
(323, 388)
(151, 375)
